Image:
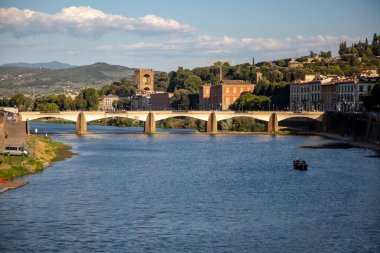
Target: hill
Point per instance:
(43, 81)
(45, 65)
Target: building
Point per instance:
(223, 94)
(258, 77)
(299, 96)
(106, 103)
(364, 86)
(140, 102)
(309, 77)
(346, 94)
(144, 79)
(294, 64)
(161, 101)
(204, 96)
(369, 72)
(330, 94)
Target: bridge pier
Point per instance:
(212, 125)
(81, 125)
(150, 124)
(272, 126)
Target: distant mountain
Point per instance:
(42, 80)
(45, 65)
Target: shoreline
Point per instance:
(350, 141)
(43, 151)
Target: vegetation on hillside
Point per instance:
(48, 81)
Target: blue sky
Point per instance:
(165, 34)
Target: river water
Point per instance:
(181, 192)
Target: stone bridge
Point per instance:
(150, 117)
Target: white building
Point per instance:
(106, 102)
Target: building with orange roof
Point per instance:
(223, 94)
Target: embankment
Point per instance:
(357, 126)
(42, 152)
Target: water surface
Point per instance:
(178, 192)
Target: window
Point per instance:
(361, 88)
(227, 90)
(234, 90)
(227, 100)
(241, 89)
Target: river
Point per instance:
(183, 192)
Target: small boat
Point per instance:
(300, 165)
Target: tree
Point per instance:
(48, 107)
(161, 81)
(22, 102)
(249, 101)
(4, 101)
(343, 48)
(192, 84)
(80, 102)
(261, 87)
(180, 99)
(371, 100)
(324, 54)
(91, 96)
(281, 63)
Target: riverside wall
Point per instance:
(2, 130)
(358, 126)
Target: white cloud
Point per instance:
(84, 22)
(229, 46)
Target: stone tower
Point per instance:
(144, 79)
(259, 76)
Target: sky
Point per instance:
(166, 34)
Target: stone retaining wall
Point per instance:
(359, 126)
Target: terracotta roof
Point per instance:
(235, 82)
(328, 83)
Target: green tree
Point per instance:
(4, 101)
(91, 96)
(192, 84)
(48, 107)
(161, 81)
(180, 99)
(249, 101)
(281, 63)
(22, 102)
(371, 100)
(324, 54)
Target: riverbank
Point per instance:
(340, 142)
(350, 141)
(42, 152)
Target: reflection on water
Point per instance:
(130, 192)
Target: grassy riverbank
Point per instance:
(42, 152)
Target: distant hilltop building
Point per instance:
(369, 72)
(258, 77)
(145, 79)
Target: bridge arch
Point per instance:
(34, 116)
